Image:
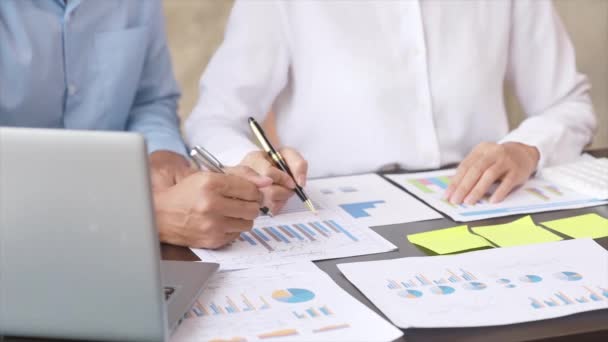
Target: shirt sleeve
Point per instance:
(154, 110)
(554, 95)
(242, 79)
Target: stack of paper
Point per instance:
(296, 302)
(298, 236)
(536, 195)
(490, 287)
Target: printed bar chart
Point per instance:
(299, 232)
(231, 306)
(560, 298)
(422, 280)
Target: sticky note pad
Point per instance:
(584, 226)
(519, 232)
(449, 240)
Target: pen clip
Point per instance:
(202, 157)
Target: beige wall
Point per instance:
(195, 29)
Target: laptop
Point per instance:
(79, 250)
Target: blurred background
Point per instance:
(195, 29)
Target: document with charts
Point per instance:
(369, 199)
(294, 302)
(535, 195)
(491, 287)
(298, 236)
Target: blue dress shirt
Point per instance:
(88, 64)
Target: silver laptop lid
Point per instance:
(77, 237)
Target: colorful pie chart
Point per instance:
(474, 285)
(530, 278)
(503, 281)
(293, 295)
(410, 294)
(442, 290)
(568, 276)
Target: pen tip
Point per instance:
(311, 206)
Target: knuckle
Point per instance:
(204, 206)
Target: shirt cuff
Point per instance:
(166, 143)
(540, 140)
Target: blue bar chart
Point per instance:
(297, 237)
(267, 237)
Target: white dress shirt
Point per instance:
(357, 85)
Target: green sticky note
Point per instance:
(449, 240)
(519, 232)
(584, 226)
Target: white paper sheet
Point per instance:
(296, 302)
(369, 199)
(298, 236)
(490, 287)
(536, 195)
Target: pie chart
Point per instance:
(475, 285)
(293, 295)
(530, 278)
(442, 290)
(410, 294)
(568, 276)
(503, 281)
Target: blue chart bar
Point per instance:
(320, 231)
(564, 298)
(312, 312)
(325, 310)
(277, 233)
(246, 237)
(216, 310)
(322, 227)
(269, 232)
(260, 237)
(293, 232)
(304, 232)
(311, 232)
(198, 312)
(551, 302)
(260, 234)
(333, 223)
(285, 231)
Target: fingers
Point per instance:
(250, 175)
(508, 183)
(230, 208)
(275, 197)
(297, 164)
(233, 187)
(461, 171)
(259, 161)
(471, 178)
(489, 177)
(279, 177)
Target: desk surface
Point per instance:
(586, 326)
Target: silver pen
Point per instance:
(205, 160)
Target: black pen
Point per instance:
(204, 159)
(278, 160)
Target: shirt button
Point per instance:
(72, 89)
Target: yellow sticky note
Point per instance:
(519, 232)
(449, 240)
(583, 226)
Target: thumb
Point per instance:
(250, 175)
